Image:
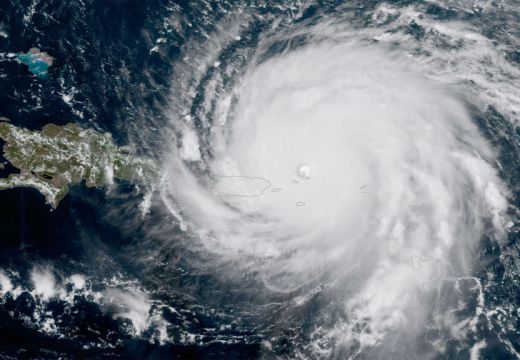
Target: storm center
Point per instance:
(304, 171)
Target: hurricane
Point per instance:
(337, 180)
(345, 159)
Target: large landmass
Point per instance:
(57, 156)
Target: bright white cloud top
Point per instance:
(379, 180)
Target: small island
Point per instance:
(37, 61)
(57, 156)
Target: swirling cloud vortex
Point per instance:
(344, 160)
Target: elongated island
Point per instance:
(52, 159)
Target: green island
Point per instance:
(57, 156)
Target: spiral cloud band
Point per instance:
(343, 159)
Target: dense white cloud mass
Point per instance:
(401, 185)
(346, 154)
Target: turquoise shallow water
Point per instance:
(36, 64)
